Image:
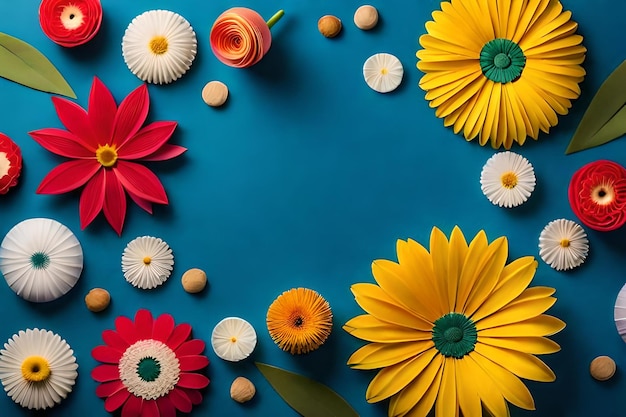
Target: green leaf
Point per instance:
(23, 64)
(605, 118)
(307, 397)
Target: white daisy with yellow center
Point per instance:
(147, 262)
(563, 244)
(383, 72)
(507, 179)
(233, 339)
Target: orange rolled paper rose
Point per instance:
(240, 37)
(70, 23)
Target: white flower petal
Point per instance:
(233, 339)
(383, 72)
(162, 68)
(60, 358)
(562, 256)
(151, 274)
(494, 186)
(41, 259)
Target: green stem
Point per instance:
(275, 18)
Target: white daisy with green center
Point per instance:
(563, 244)
(147, 262)
(507, 179)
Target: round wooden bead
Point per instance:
(602, 368)
(366, 17)
(215, 93)
(194, 280)
(97, 299)
(329, 26)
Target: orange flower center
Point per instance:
(158, 45)
(233, 339)
(603, 193)
(72, 17)
(564, 242)
(147, 260)
(509, 179)
(106, 155)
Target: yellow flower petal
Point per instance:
(543, 325)
(439, 256)
(446, 405)
(393, 378)
(469, 400)
(456, 260)
(573, 40)
(466, 16)
(489, 392)
(474, 257)
(418, 397)
(369, 328)
(534, 345)
(430, 42)
(381, 355)
(521, 364)
(514, 313)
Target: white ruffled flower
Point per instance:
(41, 259)
(37, 368)
(507, 179)
(563, 244)
(159, 46)
(383, 72)
(147, 262)
(233, 339)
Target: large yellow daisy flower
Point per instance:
(501, 69)
(454, 328)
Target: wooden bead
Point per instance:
(242, 390)
(602, 368)
(97, 299)
(366, 17)
(194, 280)
(215, 93)
(329, 26)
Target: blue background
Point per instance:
(302, 179)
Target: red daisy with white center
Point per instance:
(70, 23)
(150, 367)
(10, 163)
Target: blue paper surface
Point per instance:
(302, 179)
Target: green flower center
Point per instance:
(454, 335)
(148, 369)
(502, 60)
(39, 260)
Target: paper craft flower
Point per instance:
(147, 262)
(41, 259)
(619, 313)
(240, 37)
(37, 368)
(10, 163)
(454, 329)
(383, 72)
(507, 179)
(70, 23)
(159, 46)
(299, 320)
(501, 79)
(103, 142)
(597, 195)
(233, 339)
(563, 244)
(150, 367)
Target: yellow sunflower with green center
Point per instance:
(454, 329)
(501, 69)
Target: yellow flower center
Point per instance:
(106, 155)
(564, 242)
(158, 45)
(384, 71)
(35, 369)
(233, 339)
(147, 260)
(603, 194)
(509, 179)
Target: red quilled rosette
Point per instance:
(597, 195)
(10, 163)
(70, 23)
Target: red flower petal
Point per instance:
(68, 176)
(142, 182)
(150, 409)
(195, 396)
(192, 381)
(180, 400)
(143, 324)
(114, 202)
(144, 204)
(92, 199)
(62, 142)
(166, 152)
(114, 340)
(132, 407)
(166, 407)
(105, 373)
(70, 23)
(192, 362)
(131, 114)
(163, 327)
(75, 119)
(102, 110)
(180, 334)
(106, 389)
(191, 347)
(126, 329)
(13, 156)
(147, 141)
(106, 354)
(116, 400)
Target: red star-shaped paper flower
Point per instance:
(10, 163)
(70, 23)
(102, 143)
(150, 367)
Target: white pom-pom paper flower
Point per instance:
(37, 368)
(159, 46)
(619, 313)
(563, 244)
(233, 339)
(41, 259)
(507, 179)
(383, 72)
(147, 262)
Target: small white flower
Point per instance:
(159, 46)
(507, 179)
(563, 244)
(619, 313)
(233, 339)
(41, 259)
(37, 368)
(383, 72)
(147, 262)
